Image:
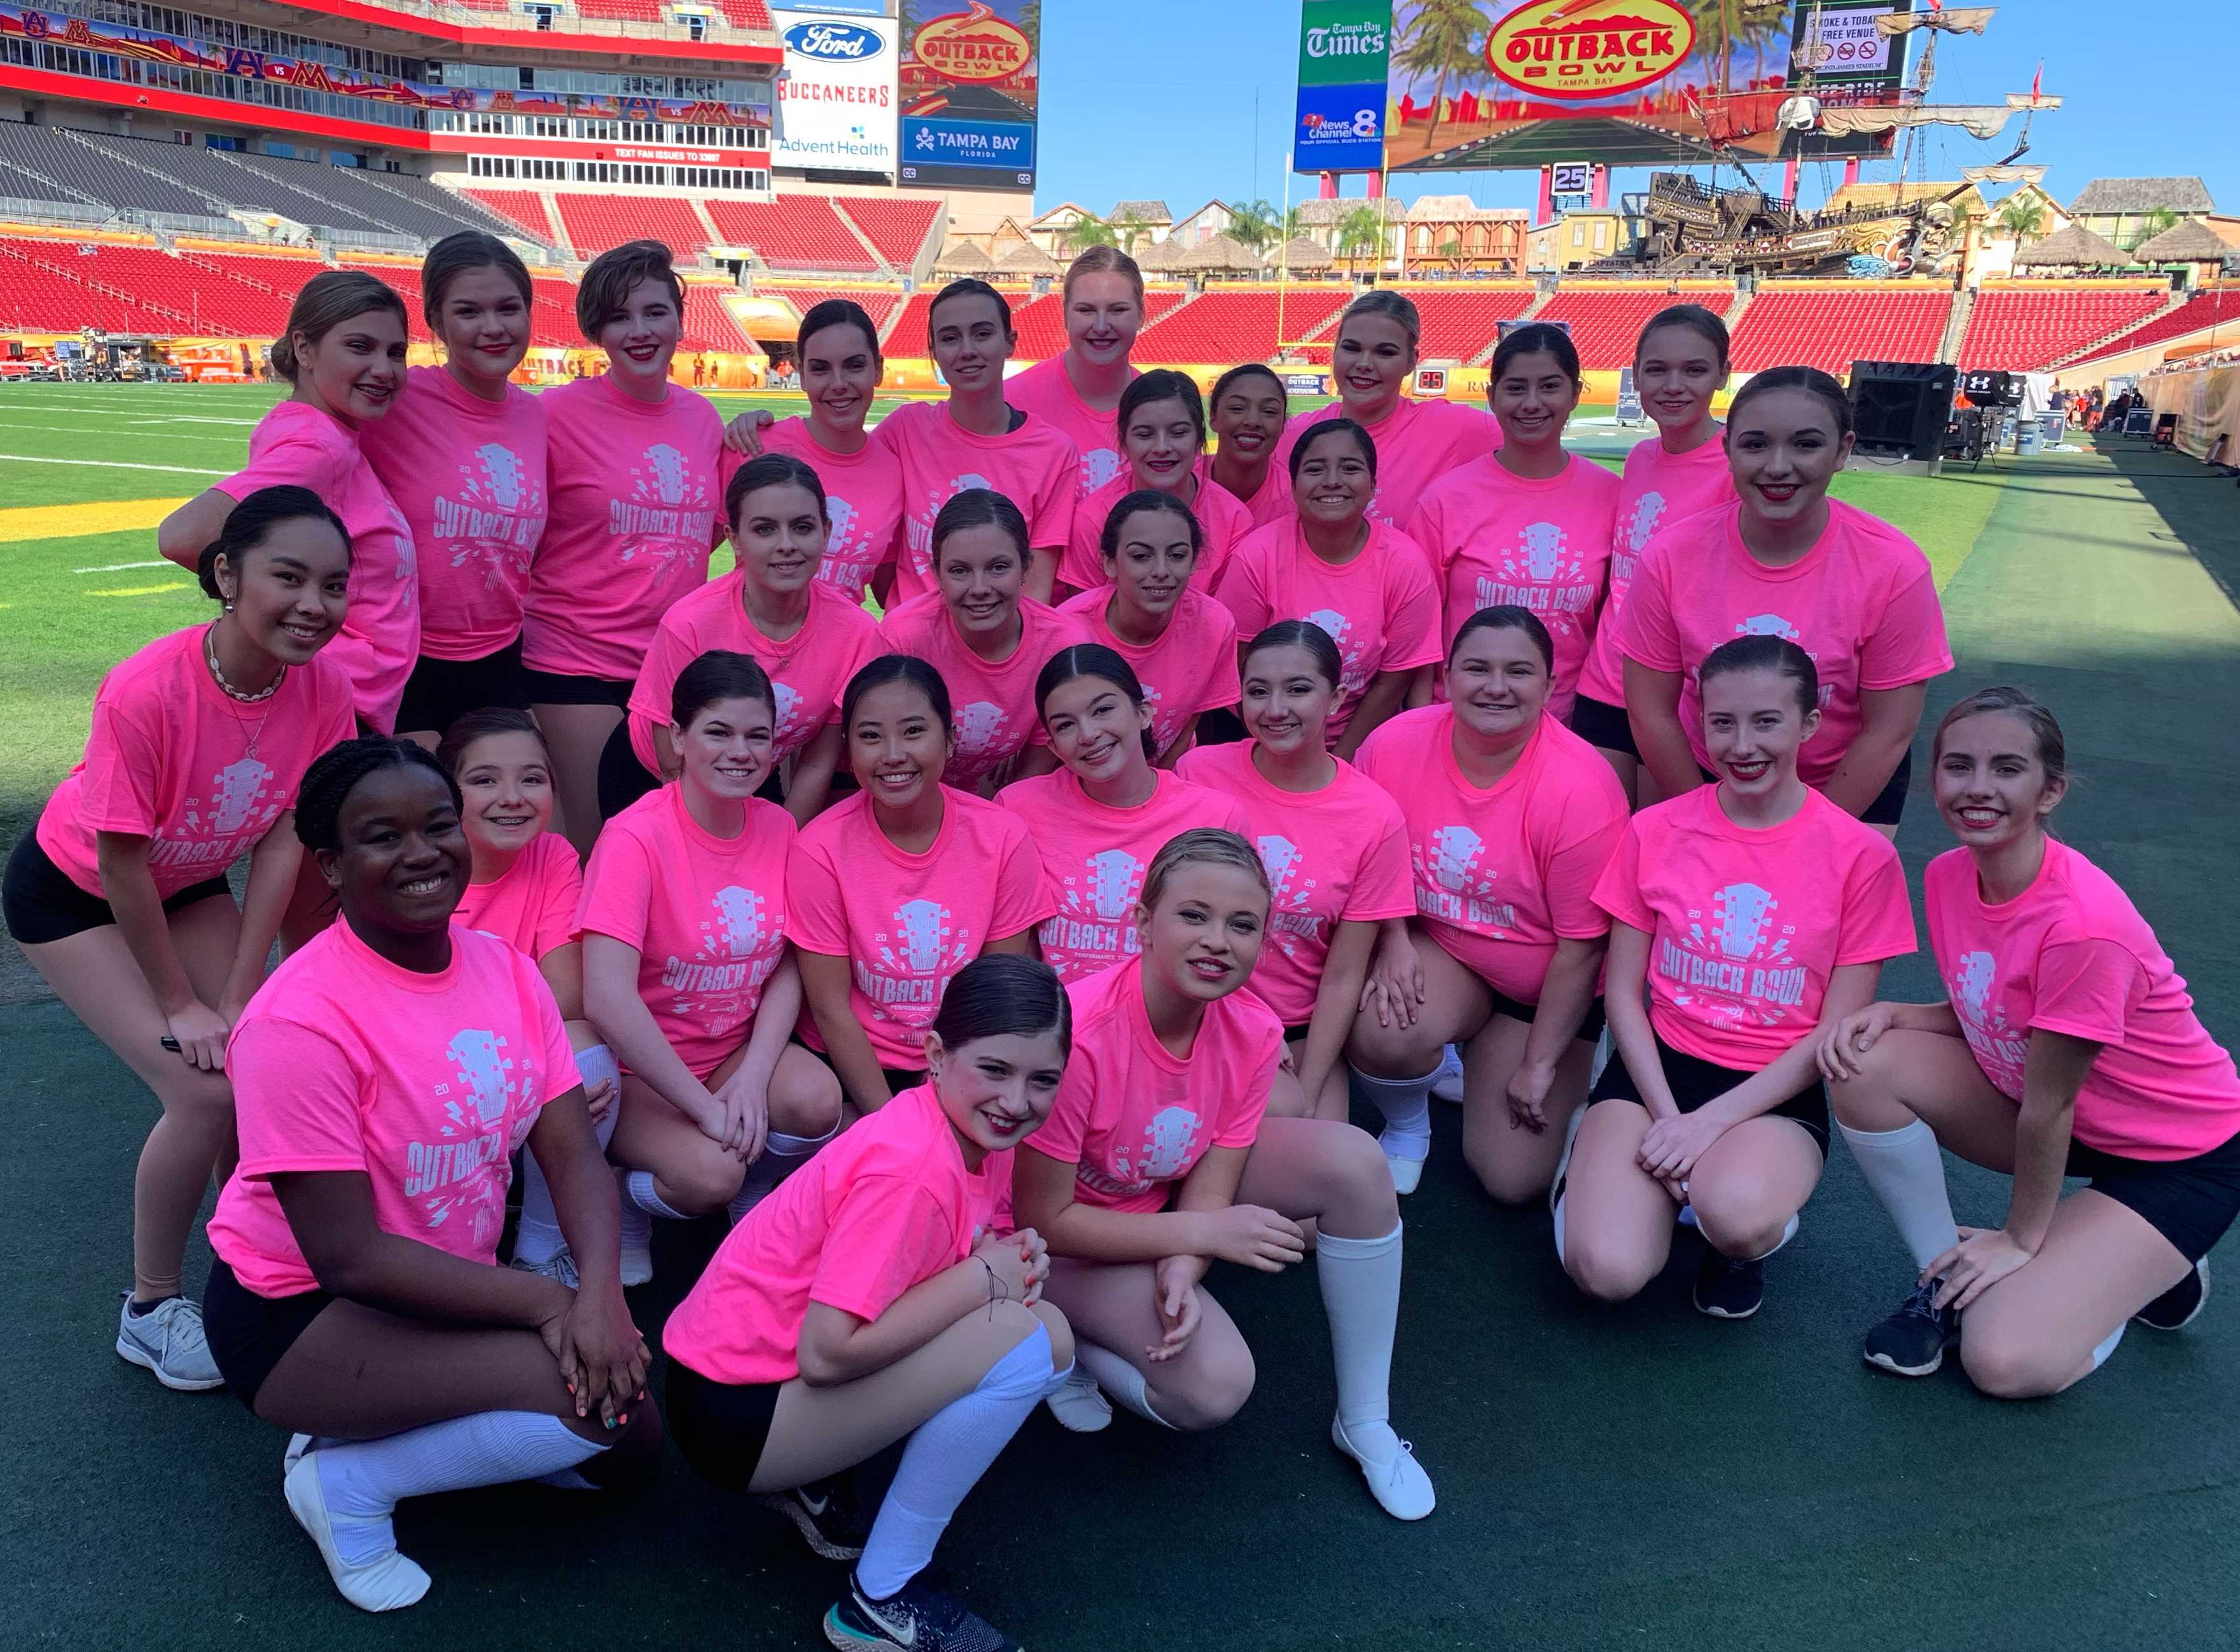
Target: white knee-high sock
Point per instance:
(1906, 1170)
(782, 1156)
(2100, 1353)
(364, 1482)
(1406, 1105)
(1360, 1295)
(1117, 1377)
(639, 1185)
(945, 1459)
(1558, 1215)
(538, 1239)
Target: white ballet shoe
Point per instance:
(1080, 1406)
(1400, 1485)
(383, 1585)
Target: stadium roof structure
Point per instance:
(2145, 195)
(2192, 242)
(2073, 248)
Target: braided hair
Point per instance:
(334, 774)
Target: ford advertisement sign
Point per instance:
(838, 43)
(836, 98)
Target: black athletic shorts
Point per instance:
(1591, 1028)
(249, 1334)
(1600, 724)
(1694, 1081)
(2189, 1202)
(440, 692)
(622, 778)
(1889, 806)
(42, 903)
(558, 688)
(720, 1427)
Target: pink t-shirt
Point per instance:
(427, 1083)
(1657, 490)
(533, 905)
(1862, 603)
(808, 671)
(468, 475)
(993, 701)
(636, 505)
(1336, 855)
(1094, 858)
(1192, 668)
(297, 445)
(907, 922)
(863, 497)
(1417, 443)
(1034, 467)
(1380, 608)
(1271, 500)
(1221, 519)
(707, 915)
(168, 759)
(1502, 872)
(887, 1206)
(1045, 391)
(1541, 545)
(1746, 928)
(2071, 954)
(1133, 1119)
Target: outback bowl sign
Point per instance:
(972, 45)
(1589, 48)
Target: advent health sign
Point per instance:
(1343, 47)
(836, 98)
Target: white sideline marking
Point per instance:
(112, 465)
(118, 568)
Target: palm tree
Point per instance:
(1256, 226)
(1361, 231)
(2151, 224)
(1444, 38)
(1130, 231)
(1087, 231)
(2022, 216)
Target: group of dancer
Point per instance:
(994, 966)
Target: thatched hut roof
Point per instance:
(2192, 242)
(1300, 253)
(963, 258)
(2075, 247)
(1029, 260)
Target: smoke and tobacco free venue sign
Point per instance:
(1344, 46)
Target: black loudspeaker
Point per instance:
(1988, 389)
(1900, 408)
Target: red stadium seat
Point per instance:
(2212, 309)
(2019, 330)
(878, 304)
(519, 207)
(898, 229)
(794, 232)
(1831, 326)
(1606, 324)
(596, 223)
(1236, 325)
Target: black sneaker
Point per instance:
(1726, 1288)
(2181, 1304)
(824, 1513)
(1912, 1342)
(918, 1616)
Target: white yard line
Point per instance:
(117, 568)
(112, 465)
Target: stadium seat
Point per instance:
(2212, 309)
(745, 14)
(2019, 330)
(44, 164)
(1829, 327)
(708, 324)
(595, 223)
(1606, 324)
(60, 286)
(522, 210)
(1464, 325)
(898, 229)
(878, 304)
(1235, 325)
(793, 232)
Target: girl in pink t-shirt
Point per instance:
(384, 1075)
(1751, 916)
(808, 635)
(893, 890)
(1160, 1158)
(1371, 366)
(688, 973)
(343, 354)
(1786, 560)
(1249, 409)
(118, 896)
(1511, 819)
(636, 506)
(2067, 1045)
(837, 350)
(1098, 821)
(1163, 438)
(1679, 364)
(1528, 526)
(1332, 841)
(984, 635)
(1367, 585)
(976, 439)
(1076, 390)
(463, 455)
(526, 889)
(1154, 612)
(881, 1296)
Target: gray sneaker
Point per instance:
(560, 1265)
(168, 1341)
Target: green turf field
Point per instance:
(1636, 1478)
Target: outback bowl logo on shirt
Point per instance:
(1734, 962)
(1583, 49)
(669, 512)
(1450, 884)
(974, 44)
(1288, 916)
(922, 945)
(464, 1176)
(1646, 511)
(1168, 1140)
(739, 949)
(1530, 571)
(1984, 1025)
(1098, 467)
(240, 805)
(1336, 626)
(978, 727)
(494, 512)
(1100, 908)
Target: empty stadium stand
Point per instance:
(1041, 322)
(745, 14)
(2217, 308)
(1606, 324)
(1829, 325)
(906, 334)
(1234, 325)
(795, 232)
(1463, 325)
(522, 209)
(40, 163)
(899, 229)
(2022, 328)
(709, 325)
(877, 304)
(595, 223)
(50, 286)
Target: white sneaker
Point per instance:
(1447, 1083)
(383, 1585)
(1406, 1173)
(560, 1265)
(637, 1244)
(168, 1341)
(1400, 1487)
(299, 1444)
(1080, 1405)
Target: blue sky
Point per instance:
(1155, 98)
